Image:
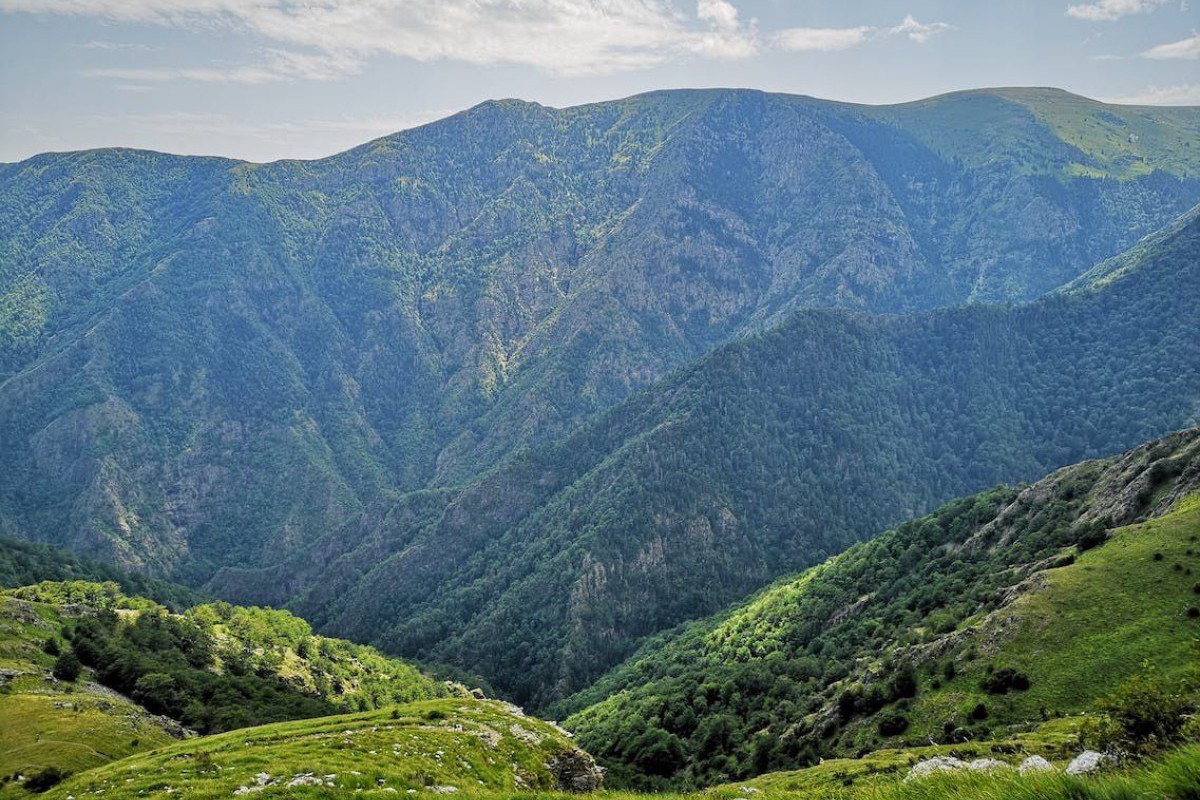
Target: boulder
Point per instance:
(1087, 763)
(987, 765)
(1035, 764)
(936, 764)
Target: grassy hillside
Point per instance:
(1084, 629)
(460, 746)
(1087, 138)
(89, 675)
(217, 667)
(904, 640)
(46, 723)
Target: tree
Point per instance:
(67, 667)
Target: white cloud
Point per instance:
(826, 39)
(1184, 94)
(723, 15)
(276, 65)
(1110, 10)
(327, 39)
(106, 45)
(1184, 49)
(917, 31)
(559, 36)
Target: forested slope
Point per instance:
(207, 362)
(988, 617)
(770, 455)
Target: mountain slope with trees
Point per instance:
(990, 616)
(767, 456)
(178, 333)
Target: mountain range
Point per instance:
(518, 389)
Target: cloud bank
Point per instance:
(1183, 49)
(329, 39)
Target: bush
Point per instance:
(1005, 680)
(67, 667)
(893, 724)
(50, 647)
(1092, 536)
(46, 779)
(903, 684)
(979, 712)
(1141, 718)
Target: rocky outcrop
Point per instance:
(932, 766)
(575, 771)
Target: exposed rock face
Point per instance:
(575, 771)
(1087, 763)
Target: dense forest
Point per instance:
(175, 333)
(23, 563)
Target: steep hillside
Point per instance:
(766, 457)
(207, 363)
(439, 747)
(992, 615)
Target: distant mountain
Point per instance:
(767, 456)
(207, 363)
(991, 616)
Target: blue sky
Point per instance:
(265, 79)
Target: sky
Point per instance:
(268, 79)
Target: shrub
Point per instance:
(903, 683)
(979, 712)
(67, 667)
(893, 724)
(1141, 717)
(50, 647)
(1005, 680)
(1090, 537)
(48, 778)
